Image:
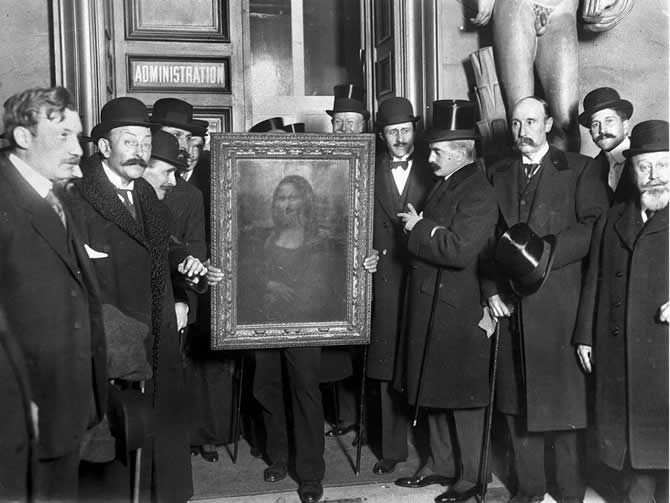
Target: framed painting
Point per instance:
(291, 226)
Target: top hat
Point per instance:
(349, 98)
(199, 127)
(525, 258)
(648, 136)
(130, 419)
(395, 111)
(600, 99)
(173, 112)
(296, 127)
(119, 112)
(271, 124)
(165, 147)
(452, 120)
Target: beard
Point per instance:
(655, 197)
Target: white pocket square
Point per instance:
(94, 254)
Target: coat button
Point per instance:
(77, 325)
(617, 303)
(73, 293)
(615, 331)
(523, 202)
(619, 274)
(384, 251)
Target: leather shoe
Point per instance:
(310, 492)
(341, 429)
(452, 495)
(520, 498)
(424, 480)
(275, 472)
(384, 466)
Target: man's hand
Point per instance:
(484, 11)
(371, 261)
(181, 309)
(410, 218)
(192, 268)
(664, 313)
(499, 308)
(584, 354)
(214, 274)
(35, 419)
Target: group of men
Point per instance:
(564, 257)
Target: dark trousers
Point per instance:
(455, 437)
(528, 450)
(301, 378)
(57, 479)
(394, 419)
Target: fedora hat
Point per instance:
(130, 419)
(600, 99)
(452, 120)
(199, 127)
(165, 147)
(173, 112)
(296, 127)
(395, 111)
(349, 98)
(648, 136)
(125, 111)
(525, 258)
(271, 124)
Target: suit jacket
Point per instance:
(626, 187)
(390, 240)
(50, 295)
(538, 373)
(459, 217)
(626, 284)
(201, 180)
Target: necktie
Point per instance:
(531, 169)
(55, 203)
(399, 164)
(649, 214)
(127, 202)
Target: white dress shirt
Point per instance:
(617, 162)
(119, 183)
(400, 175)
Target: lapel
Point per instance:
(657, 223)
(505, 181)
(443, 187)
(420, 181)
(385, 186)
(629, 223)
(554, 165)
(43, 218)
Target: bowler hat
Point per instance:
(124, 111)
(525, 258)
(600, 99)
(165, 147)
(648, 136)
(395, 111)
(173, 112)
(452, 120)
(130, 419)
(296, 127)
(199, 127)
(349, 98)
(271, 124)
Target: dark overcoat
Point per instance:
(50, 297)
(135, 278)
(459, 217)
(391, 243)
(538, 374)
(626, 188)
(188, 217)
(627, 283)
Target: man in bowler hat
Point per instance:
(402, 179)
(622, 333)
(607, 117)
(540, 389)
(443, 243)
(349, 114)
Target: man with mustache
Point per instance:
(607, 118)
(50, 297)
(622, 335)
(127, 236)
(541, 389)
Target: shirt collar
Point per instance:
(36, 180)
(116, 180)
(616, 154)
(536, 157)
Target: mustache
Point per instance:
(400, 144)
(604, 136)
(650, 187)
(521, 140)
(73, 159)
(135, 160)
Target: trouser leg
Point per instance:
(568, 469)
(394, 423)
(528, 457)
(442, 458)
(469, 431)
(57, 479)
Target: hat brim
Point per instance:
(364, 113)
(624, 106)
(523, 287)
(398, 120)
(435, 135)
(176, 164)
(645, 150)
(99, 130)
(190, 127)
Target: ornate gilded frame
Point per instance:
(231, 152)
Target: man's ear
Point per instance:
(23, 137)
(105, 147)
(548, 124)
(626, 127)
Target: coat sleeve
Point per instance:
(591, 201)
(194, 234)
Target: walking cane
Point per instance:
(429, 333)
(361, 413)
(483, 475)
(238, 408)
(138, 465)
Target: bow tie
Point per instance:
(399, 164)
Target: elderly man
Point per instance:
(127, 237)
(402, 178)
(623, 323)
(541, 390)
(444, 242)
(48, 289)
(348, 113)
(607, 118)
